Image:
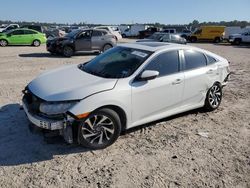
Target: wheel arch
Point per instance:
(121, 113)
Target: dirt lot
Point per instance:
(169, 153)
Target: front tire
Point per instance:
(36, 43)
(100, 129)
(217, 40)
(193, 39)
(214, 97)
(68, 51)
(3, 42)
(237, 41)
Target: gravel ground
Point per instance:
(168, 153)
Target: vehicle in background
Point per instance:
(122, 28)
(38, 28)
(73, 28)
(208, 33)
(8, 28)
(52, 33)
(133, 30)
(22, 37)
(86, 40)
(173, 38)
(237, 39)
(168, 30)
(231, 30)
(127, 86)
(164, 37)
(185, 34)
(113, 30)
(149, 31)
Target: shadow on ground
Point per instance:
(48, 55)
(19, 146)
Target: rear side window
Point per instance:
(165, 63)
(96, 33)
(210, 60)
(27, 32)
(194, 59)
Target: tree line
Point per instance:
(193, 24)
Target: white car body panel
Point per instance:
(109, 28)
(68, 83)
(143, 101)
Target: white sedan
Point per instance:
(129, 85)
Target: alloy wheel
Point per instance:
(3, 43)
(98, 129)
(215, 96)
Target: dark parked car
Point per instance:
(164, 37)
(90, 40)
(146, 33)
(38, 28)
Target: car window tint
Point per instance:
(165, 63)
(97, 33)
(27, 32)
(194, 59)
(210, 60)
(17, 32)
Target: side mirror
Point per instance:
(147, 75)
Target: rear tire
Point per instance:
(100, 129)
(214, 97)
(3, 42)
(237, 41)
(106, 47)
(68, 51)
(217, 40)
(36, 43)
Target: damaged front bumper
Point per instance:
(64, 126)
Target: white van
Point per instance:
(134, 30)
(231, 30)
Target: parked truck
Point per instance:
(208, 33)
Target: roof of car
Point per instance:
(153, 46)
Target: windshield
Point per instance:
(72, 33)
(118, 62)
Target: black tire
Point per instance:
(193, 39)
(217, 40)
(3, 42)
(36, 43)
(237, 41)
(106, 47)
(68, 51)
(124, 36)
(103, 132)
(213, 97)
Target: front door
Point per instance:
(83, 41)
(16, 37)
(153, 99)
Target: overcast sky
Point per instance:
(128, 11)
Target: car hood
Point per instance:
(68, 83)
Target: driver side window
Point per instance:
(166, 63)
(84, 35)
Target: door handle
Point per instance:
(177, 81)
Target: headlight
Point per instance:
(56, 108)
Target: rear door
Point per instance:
(83, 41)
(198, 76)
(97, 39)
(28, 36)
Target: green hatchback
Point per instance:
(22, 37)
